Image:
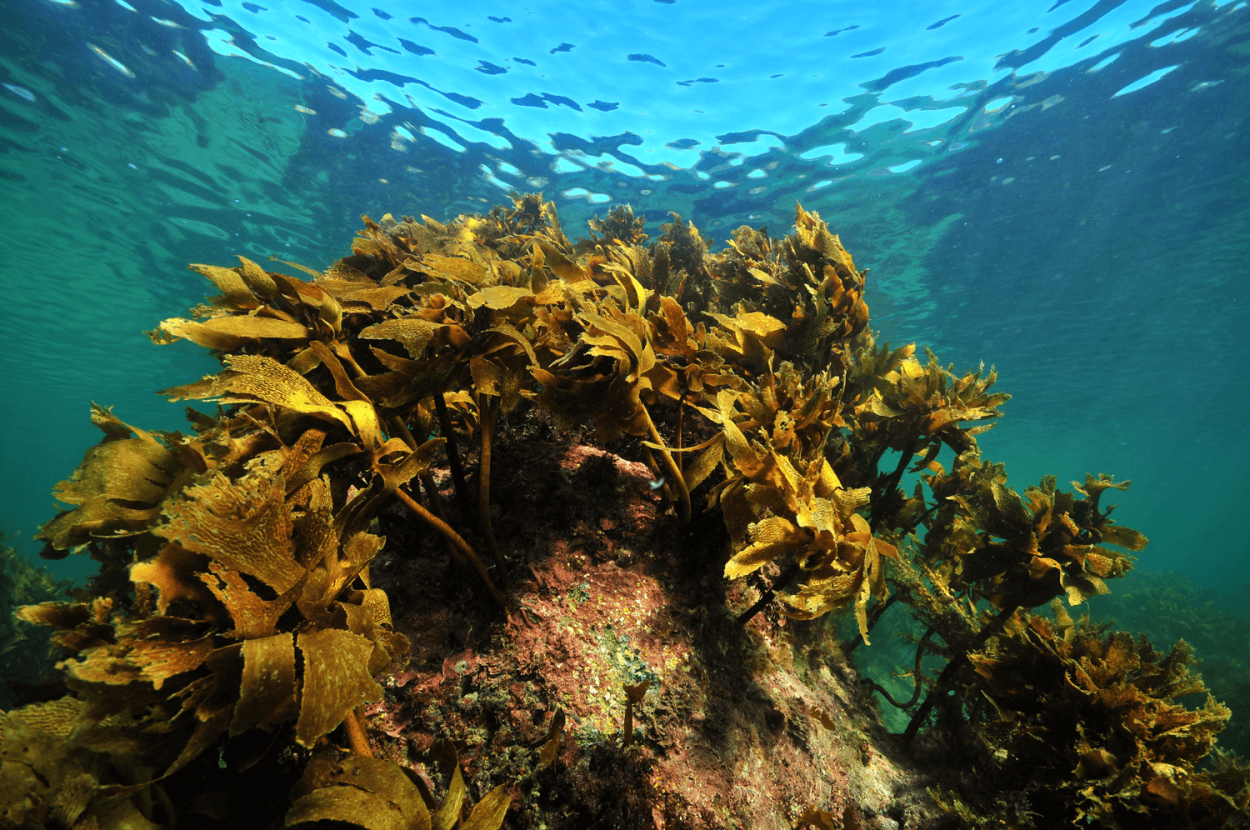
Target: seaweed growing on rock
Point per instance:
(1085, 726)
(25, 651)
(249, 607)
(1167, 606)
(722, 412)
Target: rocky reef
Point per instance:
(492, 529)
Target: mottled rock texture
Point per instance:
(741, 726)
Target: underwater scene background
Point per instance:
(1057, 189)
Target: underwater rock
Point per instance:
(739, 726)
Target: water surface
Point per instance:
(1057, 189)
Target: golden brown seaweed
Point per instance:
(236, 591)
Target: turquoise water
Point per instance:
(1058, 190)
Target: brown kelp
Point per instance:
(1091, 721)
(235, 595)
(1166, 605)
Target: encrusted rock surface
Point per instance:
(740, 726)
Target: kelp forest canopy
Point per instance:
(235, 592)
(429, 332)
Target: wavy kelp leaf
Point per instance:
(269, 687)
(344, 272)
(510, 332)
(498, 297)
(367, 792)
(1095, 486)
(560, 265)
(128, 674)
(366, 424)
(343, 385)
(413, 333)
(335, 681)
(397, 465)
(814, 233)
(312, 302)
(164, 647)
(360, 620)
(112, 426)
(620, 336)
(377, 605)
(309, 468)
(376, 298)
(1080, 587)
(872, 364)
(806, 512)
(317, 539)
(410, 382)
(490, 812)
(258, 281)
(575, 401)
(487, 376)
(755, 337)
(1100, 521)
(243, 524)
(1124, 537)
(710, 454)
(251, 615)
(620, 226)
(450, 267)
(770, 539)
(331, 572)
(487, 814)
(80, 625)
(684, 244)
(116, 489)
(849, 573)
(174, 572)
(227, 333)
(1010, 508)
(260, 379)
(236, 293)
(634, 693)
(554, 739)
(1018, 551)
(820, 819)
(808, 279)
(96, 519)
(448, 813)
(671, 331)
(914, 402)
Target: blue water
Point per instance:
(1058, 189)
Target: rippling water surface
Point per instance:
(1057, 188)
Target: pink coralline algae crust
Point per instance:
(739, 727)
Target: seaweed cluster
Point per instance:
(1168, 606)
(235, 596)
(1091, 721)
(24, 661)
(1054, 722)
